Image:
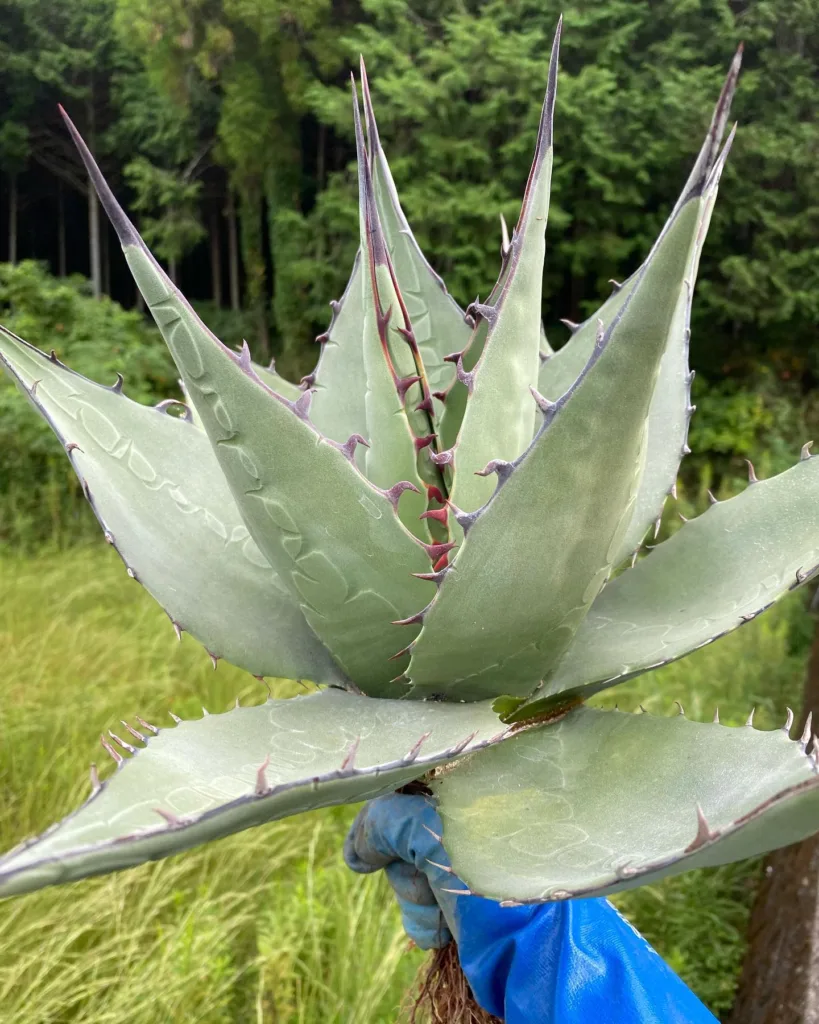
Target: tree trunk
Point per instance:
(13, 218)
(780, 976)
(215, 260)
(233, 254)
(61, 252)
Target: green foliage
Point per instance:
(40, 498)
(270, 921)
(269, 925)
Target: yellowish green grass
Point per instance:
(268, 926)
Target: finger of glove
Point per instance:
(410, 884)
(420, 914)
(386, 830)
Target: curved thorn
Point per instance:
(262, 786)
(806, 732)
(134, 732)
(125, 746)
(176, 718)
(704, 834)
(96, 785)
(115, 754)
(682, 709)
(441, 867)
(752, 477)
(169, 817)
(147, 725)
(788, 721)
(749, 721)
(348, 764)
(712, 499)
(804, 455)
(716, 717)
(412, 754)
(434, 835)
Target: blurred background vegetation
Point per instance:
(225, 127)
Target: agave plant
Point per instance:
(440, 528)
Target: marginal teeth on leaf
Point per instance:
(443, 458)
(682, 710)
(502, 468)
(752, 477)
(806, 732)
(147, 725)
(545, 406)
(788, 721)
(712, 499)
(716, 717)
(805, 453)
(441, 867)
(176, 718)
(571, 325)
(434, 835)
(170, 817)
(115, 754)
(459, 892)
(395, 492)
(134, 732)
(262, 786)
(415, 750)
(704, 834)
(214, 660)
(96, 785)
(749, 722)
(349, 758)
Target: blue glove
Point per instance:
(550, 963)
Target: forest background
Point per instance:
(225, 127)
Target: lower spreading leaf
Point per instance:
(603, 801)
(223, 773)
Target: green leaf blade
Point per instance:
(224, 773)
(156, 487)
(604, 801)
(334, 539)
(499, 419)
(492, 631)
(715, 573)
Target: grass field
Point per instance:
(267, 926)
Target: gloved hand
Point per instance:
(550, 963)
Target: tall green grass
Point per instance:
(267, 927)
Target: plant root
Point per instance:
(444, 995)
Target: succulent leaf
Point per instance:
(715, 573)
(333, 538)
(268, 376)
(438, 322)
(338, 403)
(498, 421)
(393, 383)
(604, 800)
(558, 513)
(157, 490)
(223, 773)
(671, 409)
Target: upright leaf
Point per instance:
(438, 322)
(717, 572)
(157, 490)
(535, 557)
(670, 410)
(334, 539)
(498, 422)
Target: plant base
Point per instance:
(444, 995)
